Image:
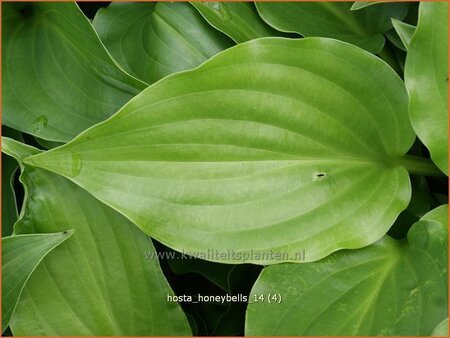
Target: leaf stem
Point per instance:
(420, 166)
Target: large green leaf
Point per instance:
(97, 283)
(426, 77)
(239, 20)
(58, 79)
(364, 27)
(20, 256)
(240, 156)
(389, 288)
(152, 40)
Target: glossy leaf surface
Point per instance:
(239, 20)
(88, 285)
(20, 256)
(389, 288)
(364, 27)
(152, 40)
(426, 78)
(58, 79)
(240, 155)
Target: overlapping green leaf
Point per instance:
(357, 5)
(47, 144)
(421, 202)
(9, 167)
(389, 288)
(216, 273)
(240, 156)
(225, 276)
(405, 32)
(364, 27)
(9, 207)
(97, 283)
(239, 20)
(426, 77)
(20, 256)
(152, 40)
(17, 150)
(442, 329)
(395, 40)
(58, 79)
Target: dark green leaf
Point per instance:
(393, 287)
(404, 31)
(9, 206)
(239, 20)
(394, 39)
(421, 202)
(364, 27)
(97, 283)
(21, 255)
(47, 144)
(58, 79)
(152, 40)
(216, 273)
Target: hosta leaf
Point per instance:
(426, 78)
(239, 155)
(439, 215)
(58, 79)
(389, 288)
(20, 256)
(152, 40)
(239, 20)
(97, 283)
(362, 4)
(364, 27)
(442, 329)
(405, 31)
